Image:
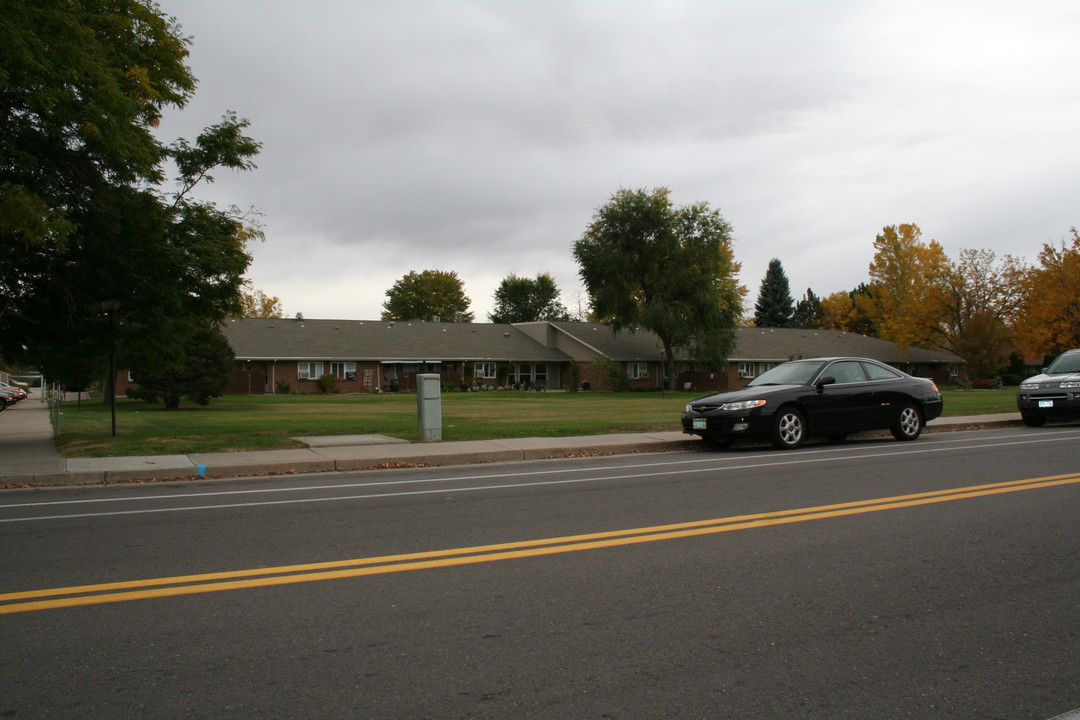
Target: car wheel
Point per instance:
(789, 428)
(717, 443)
(909, 423)
(1033, 420)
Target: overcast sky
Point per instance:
(479, 136)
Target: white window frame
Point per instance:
(747, 370)
(637, 370)
(341, 370)
(485, 370)
(309, 370)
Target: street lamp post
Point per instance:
(110, 307)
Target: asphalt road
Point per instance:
(934, 579)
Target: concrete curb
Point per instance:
(329, 455)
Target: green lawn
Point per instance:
(979, 402)
(267, 422)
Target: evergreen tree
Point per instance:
(774, 306)
(808, 312)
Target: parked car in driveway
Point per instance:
(1053, 394)
(830, 397)
(18, 390)
(8, 398)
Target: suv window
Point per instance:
(1068, 362)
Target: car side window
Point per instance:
(876, 372)
(846, 371)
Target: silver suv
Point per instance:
(1054, 394)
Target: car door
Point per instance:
(889, 394)
(846, 404)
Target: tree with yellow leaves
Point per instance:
(908, 286)
(850, 311)
(254, 303)
(1051, 307)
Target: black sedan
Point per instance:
(821, 396)
(1053, 394)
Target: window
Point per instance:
(309, 370)
(876, 372)
(637, 370)
(845, 372)
(343, 370)
(485, 369)
(747, 370)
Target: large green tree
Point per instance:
(521, 299)
(671, 270)
(201, 370)
(82, 85)
(775, 305)
(109, 259)
(426, 295)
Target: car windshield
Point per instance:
(789, 373)
(1065, 364)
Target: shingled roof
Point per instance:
(751, 345)
(287, 339)
(376, 340)
(779, 344)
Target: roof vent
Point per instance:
(299, 316)
(506, 334)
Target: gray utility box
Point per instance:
(429, 407)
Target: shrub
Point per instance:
(573, 377)
(282, 388)
(326, 382)
(615, 372)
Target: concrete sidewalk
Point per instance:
(28, 454)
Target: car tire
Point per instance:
(909, 423)
(788, 429)
(1033, 420)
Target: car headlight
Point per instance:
(1070, 384)
(743, 405)
(1029, 386)
(688, 408)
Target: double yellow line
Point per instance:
(313, 572)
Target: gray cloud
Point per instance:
(479, 136)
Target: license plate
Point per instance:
(700, 424)
(1046, 403)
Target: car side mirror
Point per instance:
(827, 380)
